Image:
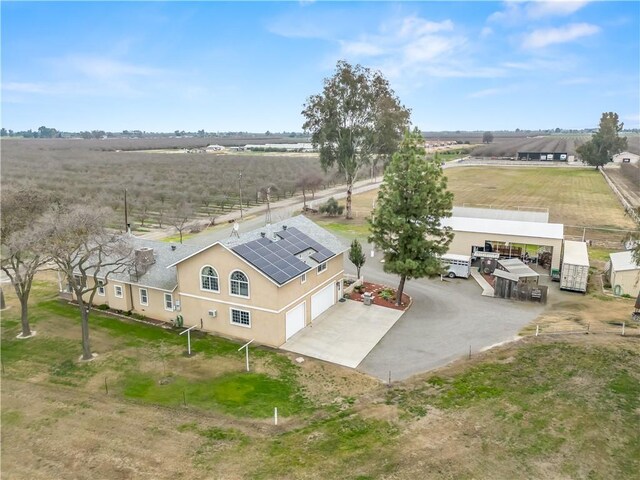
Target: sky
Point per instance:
(250, 66)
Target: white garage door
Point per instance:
(322, 300)
(295, 320)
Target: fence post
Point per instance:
(623, 329)
(537, 329)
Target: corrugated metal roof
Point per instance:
(621, 261)
(575, 253)
(516, 267)
(500, 214)
(505, 227)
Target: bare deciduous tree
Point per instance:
(83, 250)
(22, 254)
(181, 218)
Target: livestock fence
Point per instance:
(623, 329)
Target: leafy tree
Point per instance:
(357, 115)
(487, 137)
(406, 223)
(357, 256)
(21, 238)
(331, 208)
(3, 132)
(605, 142)
(83, 250)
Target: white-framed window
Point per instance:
(241, 318)
(322, 267)
(144, 296)
(209, 279)
(168, 302)
(303, 278)
(239, 284)
(117, 290)
(101, 291)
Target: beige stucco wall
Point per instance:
(155, 309)
(267, 303)
(463, 241)
(629, 280)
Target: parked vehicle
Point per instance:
(457, 265)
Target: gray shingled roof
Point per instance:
(302, 223)
(157, 275)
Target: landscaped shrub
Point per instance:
(331, 208)
(386, 294)
(104, 306)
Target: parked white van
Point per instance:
(457, 265)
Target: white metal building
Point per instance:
(624, 274)
(511, 238)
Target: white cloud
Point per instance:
(515, 12)
(23, 87)
(485, 93)
(554, 8)
(486, 31)
(550, 36)
(106, 68)
(410, 47)
(361, 48)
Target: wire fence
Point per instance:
(623, 329)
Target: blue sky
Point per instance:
(250, 66)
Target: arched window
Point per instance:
(239, 284)
(209, 279)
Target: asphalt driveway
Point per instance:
(345, 333)
(447, 318)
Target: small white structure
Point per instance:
(457, 265)
(624, 273)
(626, 157)
(575, 267)
(214, 148)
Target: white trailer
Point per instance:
(457, 265)
(575, 267)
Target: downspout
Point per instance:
(131, 295)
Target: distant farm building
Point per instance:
(545, 156)
(281, 147)
(625, 157)
(214, 148)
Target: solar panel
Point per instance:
(277, 259)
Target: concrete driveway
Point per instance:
(345, 333)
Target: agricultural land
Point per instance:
(547, 407)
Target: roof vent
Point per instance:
(284, 227)
(263, 234)
(173, 248)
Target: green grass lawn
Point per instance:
(124, 345)
(539, 406)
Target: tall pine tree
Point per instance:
(406, 221)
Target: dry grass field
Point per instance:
(544, 408)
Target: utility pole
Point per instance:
(240, 188)
(126, 213)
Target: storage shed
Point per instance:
(515, 280)
(624, 274)
(575, 267)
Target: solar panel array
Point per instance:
(277, 259)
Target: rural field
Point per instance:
(577, 197)
(546, 407)
(509, 146)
